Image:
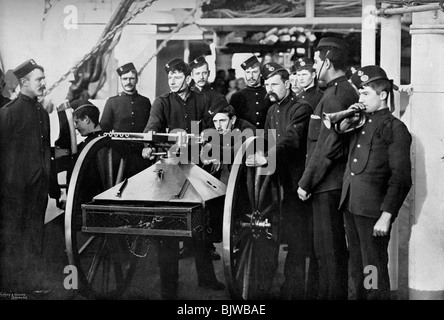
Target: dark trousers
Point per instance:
(300, 283)
(367, 250)
(330, 245)
(22, 214)
(168, 257)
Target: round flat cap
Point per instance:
(333, 42)
(249, 62)
(269, 69)
(200, 61)
(368, 74)
(303, 63)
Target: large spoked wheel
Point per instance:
(104, 262)
(252, 227)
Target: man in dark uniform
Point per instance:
(199, 74)
(3, 100)
(232, 133)
(289, 117)
(178, 109)
(128, 112)
(86, 121)
(322, 178)
(306, 75)
(377, 179)
(250, 103)
(24, 175)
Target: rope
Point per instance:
(99, 45)
(167, 39)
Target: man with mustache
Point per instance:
(250, 103)
(199, 74)
(24, 175)
(288, 117)
(128, 112)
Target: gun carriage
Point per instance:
(110, 219)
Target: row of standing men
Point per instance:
(311, 170)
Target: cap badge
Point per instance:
(302, 63)
(364, 78)
(360, 73)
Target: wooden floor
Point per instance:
(145, 284)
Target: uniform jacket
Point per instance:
(4, 100)
(126, 113)
(250, 104)
(25, 145)
(312, 95)
(170, 112)
(378, 173)
(290, 119)
(321, 173)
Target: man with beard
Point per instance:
(178, 109)
(250, 103)
(288, 117)
(24, 173)
(306, 76)
(322, 178)
(128, 112)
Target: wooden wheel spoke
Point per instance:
(104, 269)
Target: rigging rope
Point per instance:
(98, 46)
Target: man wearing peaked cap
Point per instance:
(369, 209)
(199, 74)
(306, 76)
(128, 112)
(250, 103)
(288, 117)
(24, 174)
(322, 177)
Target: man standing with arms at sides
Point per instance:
(250, 103)
(24, 175)
(289, 117)
(322, 178)
(376, 181)
(177, 110)
(306, 75)
(128, 112)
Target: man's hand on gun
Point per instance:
(147, 153)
